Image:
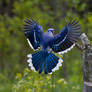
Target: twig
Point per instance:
(80, 47)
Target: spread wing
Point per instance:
(31, 31)
(66, 39)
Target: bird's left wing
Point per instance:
(31, 30)
(67, 38)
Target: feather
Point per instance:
(69, 35)
(30, 29)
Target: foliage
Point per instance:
(33, 82)
(14, 47)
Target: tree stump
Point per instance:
(86, 63)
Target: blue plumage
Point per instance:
(59, 43)
(43, 60)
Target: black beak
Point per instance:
(52, 31)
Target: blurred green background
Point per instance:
(15, 76)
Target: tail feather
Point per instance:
(36, 60)
(36, 55)
(49, 68)
(55, 58)
(53, 61)
(42, 63)
(50, 64)
(41, 68)
(43, 60)
(46, 67)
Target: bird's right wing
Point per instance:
(31, 31)
(67, 38)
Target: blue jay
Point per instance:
(45, 60)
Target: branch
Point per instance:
(86, 63)
(80, 47)
(85, 42)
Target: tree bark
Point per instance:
(86, 63)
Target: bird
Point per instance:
(46, 44)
